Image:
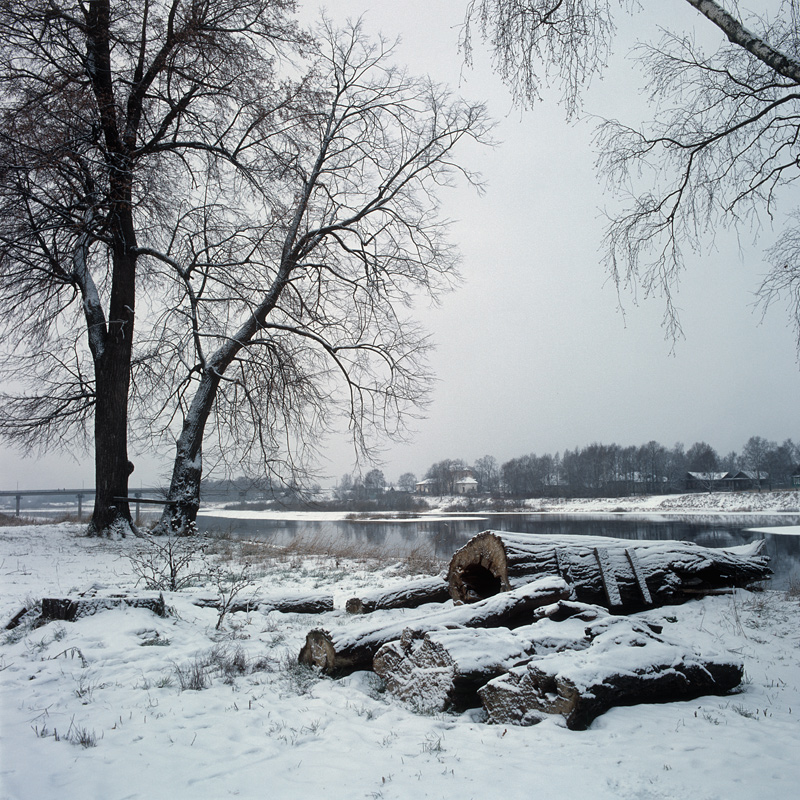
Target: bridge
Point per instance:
(137, 497)
(79, 494)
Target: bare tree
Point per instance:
(755, 456)
(111, 110)
(407, 482)
(721, 145)
(286, 307)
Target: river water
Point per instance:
(443, 536)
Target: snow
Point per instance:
(787, 530)
(281, 731)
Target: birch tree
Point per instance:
(111, 111)
(721, 146)
(288, 310)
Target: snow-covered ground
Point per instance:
(264, 727)
(783, 502)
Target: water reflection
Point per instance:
(446, 536)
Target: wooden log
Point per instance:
(621, 574)
(307, 603)
(355, 647)
(443, 669)
(432, 589)
(625, 664)
(70, 609)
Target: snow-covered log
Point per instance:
(625, 664)
(354, 647)
(444, 669)
(308, 603)
(432, 589)
(71, 608)
(621, 574)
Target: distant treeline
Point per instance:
(611, 470)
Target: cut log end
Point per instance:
(479, 569)
(318, 651)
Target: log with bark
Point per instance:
(625, 664)
(355, 647)
(443, 669)
(70, 609)
(306, 603)
(432, 589)
(623, 575)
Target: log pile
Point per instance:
(620, 574)
(537, 628)
(443, 670)
(354, 648)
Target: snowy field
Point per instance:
(102, 707)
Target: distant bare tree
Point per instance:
(407, 482)
(113, 110)
(286, 301)
(702, 457)
(487, 473)
(720, 148)
(755, 456)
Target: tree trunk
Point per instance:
(352, 649)
(112, 365)
(434, 589)
(443, 669)
(624, 575)
(180, 513)
(625, 664)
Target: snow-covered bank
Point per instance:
(787, 502)
(265, 727)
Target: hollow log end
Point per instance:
(318, 651)
(479, 569)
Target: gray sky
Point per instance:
(533, 352)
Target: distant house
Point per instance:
(466, 485)
(796, 478)
(733, 481)
(706, 482)
(743, 480)
(425, 487)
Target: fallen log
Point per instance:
(443, 669)
(70, 609)
(433, 589)
(354, 648)
(620, 574)
(625, 664)
(314, 603)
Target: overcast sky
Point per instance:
(534, 354)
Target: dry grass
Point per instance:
(7, 520)
(416, 559)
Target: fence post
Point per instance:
(80, 505)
